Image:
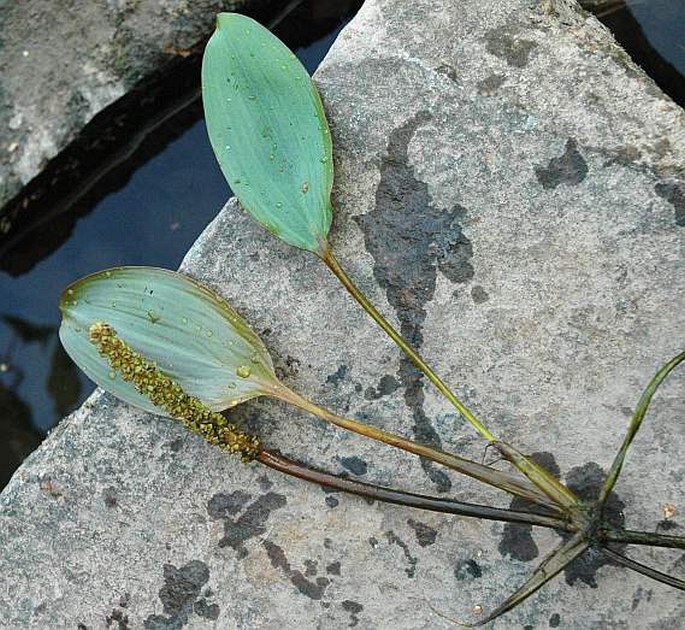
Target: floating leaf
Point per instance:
(191, 334)
(268, 130)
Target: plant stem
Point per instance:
(638, 567)
(499, 479)
(642, 538)
(540, 477)
(635, 424)
(388, 495)
(333, 264)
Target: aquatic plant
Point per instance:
(167, 344)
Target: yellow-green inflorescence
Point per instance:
(167, 395)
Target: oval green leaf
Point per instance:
(268, 130)
(189, 332)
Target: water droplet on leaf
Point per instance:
(243, 371)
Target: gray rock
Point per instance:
(510, 191)
(63, 62)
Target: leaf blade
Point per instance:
(553, 564)
(643, 569)
(268, 130)
(635, 424)
(192, 334)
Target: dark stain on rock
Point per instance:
(251, 523)
(204, 609)
(425, 534)
(490, 84)
(625, 155)
(331, 501)
(117, 619)
(176, 445)
(479, 294)
(333, 568)
(667, 525)
(506, 45)
(394, 539)
(410, 240)
(278, 559)
(446, 70)
(468, 570)
(517, 538)
(354, 608)
(570, 168)
(674, 193)
(386, 386)
(110, 497)
(337, 376)
(586, 481)
(265, 483)
(178, 595)
(222, 505)
(287, 369)
(639, 596)
(356, 465)
(554, 620)
(310, 568)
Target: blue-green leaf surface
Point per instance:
(188, 331)
(268, 131)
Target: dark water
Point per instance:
(653, 34)
(153, 219)
(171, 190)
(663, 23)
